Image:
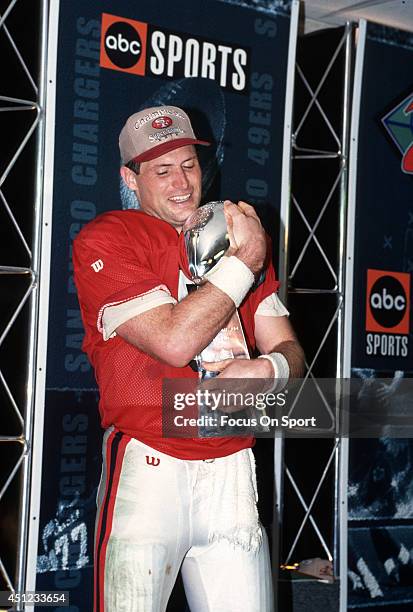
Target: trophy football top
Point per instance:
(206, 238)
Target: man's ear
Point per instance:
(129, 177)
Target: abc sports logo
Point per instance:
(123, 44)
(388, 302)
(145, 49)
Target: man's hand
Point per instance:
(239, 376)
(240, 368)
(247, 236)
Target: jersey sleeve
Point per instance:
(112, 265)
(113, 316)
(272, 306)
(266, 287)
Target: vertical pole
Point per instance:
(348, 60)
(282, 266)
(339, 544)
(348, 309)
(340, 539)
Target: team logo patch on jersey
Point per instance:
(398, 123)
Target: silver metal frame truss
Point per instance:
(337, 456)
(284, 218)
(29, 279)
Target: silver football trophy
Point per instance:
(206, 241)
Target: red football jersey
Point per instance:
(119, 256)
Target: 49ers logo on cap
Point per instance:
(161, 122)
(388, 302)
(123, 44)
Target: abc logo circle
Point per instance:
(388, 301)
(123, 44)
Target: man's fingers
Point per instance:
(247, 209)
(242, 208)
(231, 209)
(228, 217)
(248, 234)
(216, 366)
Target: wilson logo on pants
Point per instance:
(152, 460)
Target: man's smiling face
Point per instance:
(169, 187)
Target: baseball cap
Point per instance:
(154, 131)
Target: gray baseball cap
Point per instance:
(154, 131)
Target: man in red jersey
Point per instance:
(166, 504)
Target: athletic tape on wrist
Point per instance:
(281, 370)
(233, 277)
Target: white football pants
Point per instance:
(153, 520)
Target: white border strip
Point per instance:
(352, 196)
(348, 298)
(282, 269)
(287, 153)
(44, 285)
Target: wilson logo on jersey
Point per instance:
(97, 265)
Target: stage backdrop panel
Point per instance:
(380, 494)
(226, 63)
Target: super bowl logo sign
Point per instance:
(387, 313)
(399, 125)
(142, 49)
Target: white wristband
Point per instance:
(281, 370)
(233, 277)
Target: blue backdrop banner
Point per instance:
(383, 254)
(380, 492)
